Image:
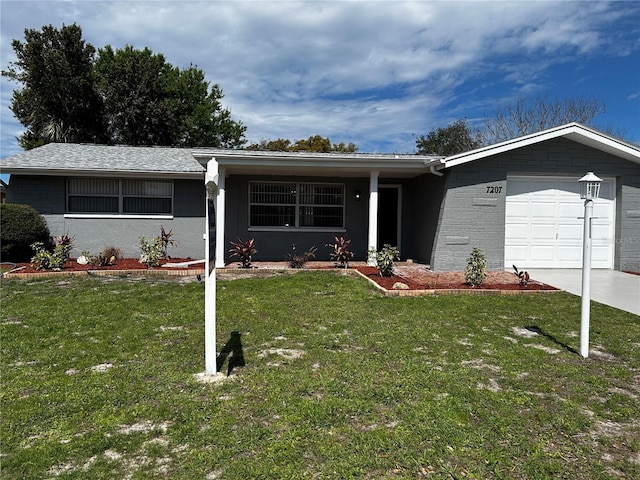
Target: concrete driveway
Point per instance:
(613, 288)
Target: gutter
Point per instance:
(433, 170)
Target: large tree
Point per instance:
(147, 101)
(314, 143)
(58, 101)
(457, 137)
(530, 115)
(123, 96)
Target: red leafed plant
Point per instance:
(523, 277)
(244, 251)
(341, 253)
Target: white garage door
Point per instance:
(544, 223)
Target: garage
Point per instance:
(544, 223)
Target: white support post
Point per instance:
(586, 279)
(211, 188)
(372, 244)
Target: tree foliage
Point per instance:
(122, 96)
(530, 115)
(455, 138)
(58, 101)
(314, 143)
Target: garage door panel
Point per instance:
(518, 232)
(516, 251)
(572, 233)
(570, 253)
(541, 232)
(600, 232)
(599, 254)
(543, 253)
(570, 210)
(600, 210)
(542, 210)
(544, 223)
(518, 209)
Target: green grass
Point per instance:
(338, 382)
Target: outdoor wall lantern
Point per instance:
(589, 191)
(357, 195)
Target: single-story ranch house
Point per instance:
(517, 201)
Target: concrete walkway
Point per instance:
(613, 288)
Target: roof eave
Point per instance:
(573, 131)
(318, 164)
(103, 173)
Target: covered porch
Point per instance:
(379, 199)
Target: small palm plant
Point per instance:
(341, 251)
(244, 251)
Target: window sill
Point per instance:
(103, 216)
(297, 229)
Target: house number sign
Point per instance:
(494, 189)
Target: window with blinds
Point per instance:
(290, 204)
(119, 196)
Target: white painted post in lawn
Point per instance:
(372, 244)
(211, 187)
(589, 191)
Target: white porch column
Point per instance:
(220, 216)
(372, 244)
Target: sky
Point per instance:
(375, 73)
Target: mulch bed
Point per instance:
(407, 277)
(71, 265)
(421, 278)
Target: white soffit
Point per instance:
(573, 131)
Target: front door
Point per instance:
(389, 214)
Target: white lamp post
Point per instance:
(211, 183)
(589, 191)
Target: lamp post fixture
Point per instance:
(589, 191)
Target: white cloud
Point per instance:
(354, 71)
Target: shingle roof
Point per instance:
(104, 158)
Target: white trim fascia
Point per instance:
(318, 162)
(573, 131)
(150, 174)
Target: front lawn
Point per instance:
(329, 379)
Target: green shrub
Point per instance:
(43, 259)
(20, 227)
(385, 259)
(476, 270)
(150, 252)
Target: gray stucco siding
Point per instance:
(276, 244)
(471, 216)
(420, 219)
(464, 215)
(47, 195)
(628, 228)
